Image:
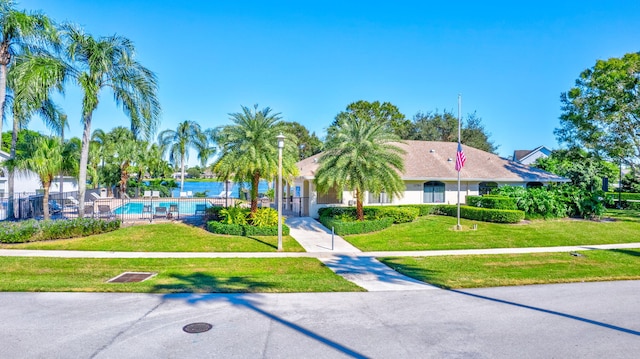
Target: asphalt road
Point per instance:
(582, 320)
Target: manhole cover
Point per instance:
(130, 277)
(194, 328)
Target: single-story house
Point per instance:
(429, 176)
(527, 157)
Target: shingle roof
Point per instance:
(430, 160)
(520, 154)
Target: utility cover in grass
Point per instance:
(131, 277)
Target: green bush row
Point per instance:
(482, 214)
(32, 230)
(624, 196)
(398, 214)
(356, 227)
(493, 202)
(245, 229)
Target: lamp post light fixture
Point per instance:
(280, 138)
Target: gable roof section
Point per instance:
(431, 160)
(522, 155)
(4, 156)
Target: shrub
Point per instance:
(265, 217)
(234, 215)
(213, 213)
(482, 214)
(398, 214)
(493, 202)
(356, 227)
(244, 229)
(32, 230)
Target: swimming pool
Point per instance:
(137, 207)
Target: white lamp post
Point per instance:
(280, 138)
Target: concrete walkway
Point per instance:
(347, 261)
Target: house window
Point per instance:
(486, 187)
(331, 197)
(379, 198)
(534, 185)
(433, 192)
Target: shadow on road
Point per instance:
(547, 311)
(201, 283)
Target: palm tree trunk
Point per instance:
(255, 181)
(45, 201)
(3, 96)
(181, 172)
(359, 206)
(84, 159)
(11, 189)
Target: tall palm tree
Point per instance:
(20, 31)
(46, 157)
(32, 78)
(125, 153)
(249, 152)
(360, 156)
(109, 62)
(177, 144)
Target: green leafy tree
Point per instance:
(444, 127)
(21, 31)
(109, 62)
(195, 172)
(602, 112)
(46, 157)
(249, 152)
(393, 119)
(177, 144)
(584, 169)
(308, 144)
(360, 156)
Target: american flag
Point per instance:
(460, 158)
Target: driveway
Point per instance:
(580, 320)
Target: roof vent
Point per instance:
(449, 159)
(315, 160)
(432, 150)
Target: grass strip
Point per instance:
(166, 237)
(265, 275)
(520, 269)
(437, 232)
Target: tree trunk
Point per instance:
(3, 94)
(12, 151)
(84, 159)
(181, 172)
(124, 178)
(255, 181)
(45, 201)
(359, 206)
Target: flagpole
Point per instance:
(458, 227)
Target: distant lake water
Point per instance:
(215, 188)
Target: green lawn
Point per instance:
(436, 232)
(520, 269)
(282, 275)
(166, 237)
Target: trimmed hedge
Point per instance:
(245, 229)
(399, 214)
(356, 227)
(482, 214)
(32, 230)
(492, 202)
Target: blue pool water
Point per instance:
(136, 207)
(215, 188)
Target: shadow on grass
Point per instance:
(553, 312)
(199, 283)
(263, 242)
(635, 253)
(205, 283)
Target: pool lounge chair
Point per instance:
(189, 194)
(54, 207)
(146, 194)
(155, 194)
(160, 212)
(147, 211)
(104, 211)
(173, 208)
(183, 194)
(201, 209)
(224, 194)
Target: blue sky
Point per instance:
(308, 60)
